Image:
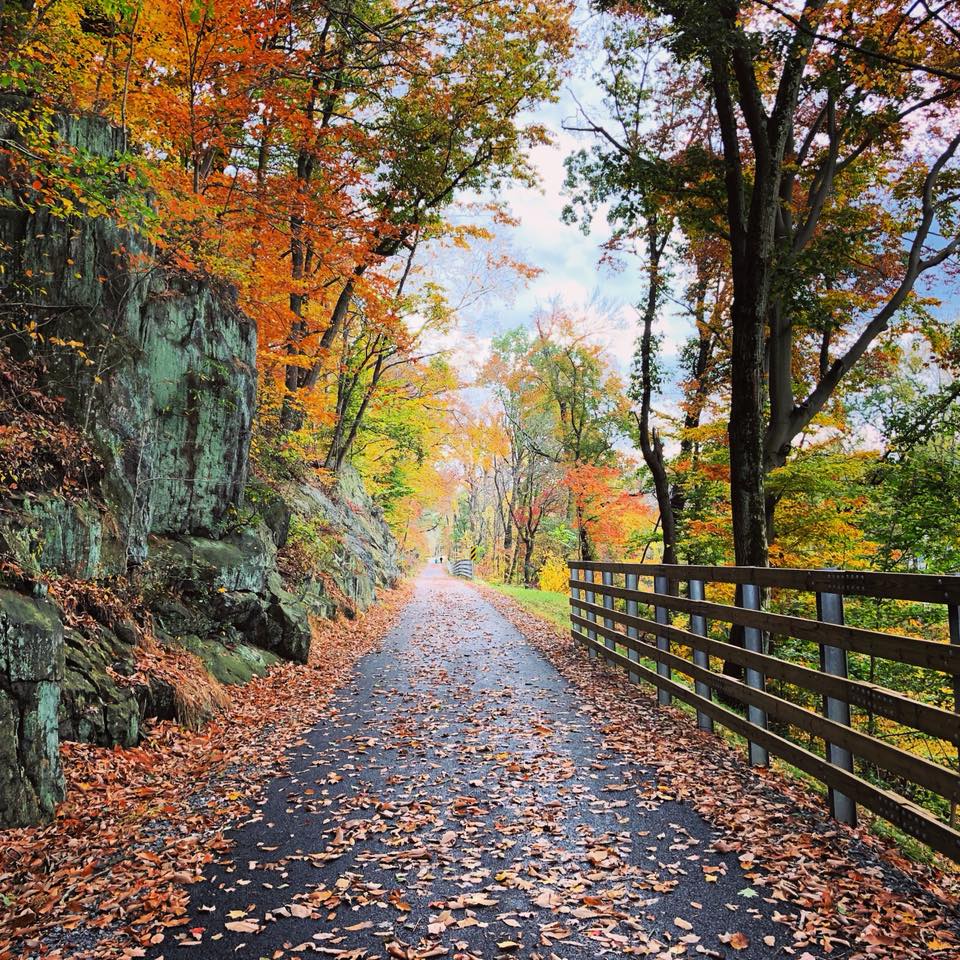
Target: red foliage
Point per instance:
(39, 449)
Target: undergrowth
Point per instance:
(40, 450)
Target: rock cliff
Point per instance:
(31, 669)
(162, 388)
(166, 379)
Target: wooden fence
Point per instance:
(613, 612)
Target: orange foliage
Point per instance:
(302, 153)
(610, 514)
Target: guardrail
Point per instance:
(606, 616)
(462, 568)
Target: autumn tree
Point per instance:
(564, 409)
(308, 154)
(584, 398)
(460, 106)
(526, 478)
(832, 210)
(655, 143)
(912, 484)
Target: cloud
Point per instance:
(569, 261)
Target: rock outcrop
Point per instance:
(31, 669)
(363, 555)
(94, 706)
(157, 371)
(233, 583)
(166, 379)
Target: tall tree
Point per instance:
(639, 170)
(815, 112)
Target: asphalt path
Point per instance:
(457, 803)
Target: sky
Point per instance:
(569, 262)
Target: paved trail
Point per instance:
(456, 803)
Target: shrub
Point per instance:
(554, 575)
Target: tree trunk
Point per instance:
(586, 546)
(512, 572)
(770, 510)
(528, 560)
(291, 413)
(746, 434)
(746, 427)
(340, 454)
(650, 444)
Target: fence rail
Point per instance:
(462, 568)
(626, 623)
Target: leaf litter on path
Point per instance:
(835, 892)
(461, 800)
(457, 797)
(109, 876)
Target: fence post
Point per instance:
(833, 660)
(633, 632)
(574, 595)
(953, 616)
(698, 625)
(753, 640)
(588, 575)
(608, 642)
(662, 616)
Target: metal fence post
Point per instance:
(698, 625)
(574, 595)
(662, 616)
(608, 642)
(833, 660)
(753, 640)
(588, 575)
(953, 616)
(633, 632)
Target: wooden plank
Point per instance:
(924, 717)
(920, 653)
(918, 587)
(891, 806)
(931, 775)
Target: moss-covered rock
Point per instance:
(230, 663)
(96, 706)
(31, 668)
(356, 548)
(288, 622)
(166, 381)
(42, 532)
(238, 562)
(273, 510)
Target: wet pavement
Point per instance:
(457, 803)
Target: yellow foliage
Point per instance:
(554, 575)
